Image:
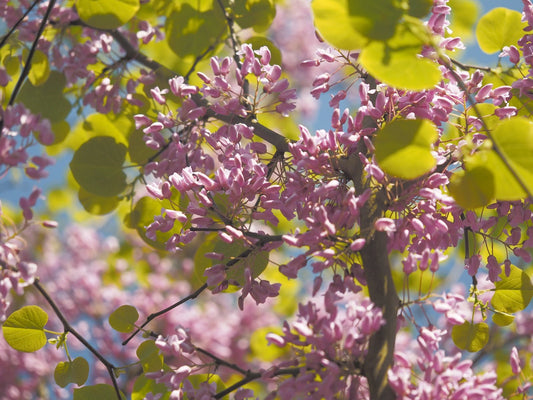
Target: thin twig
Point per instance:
(68, 328)
(19, 21)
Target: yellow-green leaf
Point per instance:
(97, 166)
(257, 14)
(149, 356)
(97, 205)
(498, 28)
(144, 385)
(397, 61)
(40, 68)
(123, 318)
(470, 337)
(138, 150)
(403, 148)
(260, 347)
(472, 188)
(420, 8)
(107, 14)
(24, 329)
(335, 25)
(377, 19)
(75, 371)
(502, 319)
(100, 392)
(512, 293)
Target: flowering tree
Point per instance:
(252, 256)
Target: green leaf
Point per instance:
(419, 8)
(139, 152)
(334, 24)
(24, 329)
(397, 61)
(191, 28)
(260, 347)
(464, 14)
(470, 337)
(144, 385)
(257, 14)
(106, 14)
(47, 99)
(149, 356)
(97, 205)
(100, 392)
(512, 293)
(40, 69)
(403, 148)
(377, 19)
(123, 318)
(97, 166)
(514, 139)
(498, 28)
(502, 319)
(256, 260)
(472, 188)
(75, 371)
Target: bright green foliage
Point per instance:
(123, 318)
(263, 350)
(100, 392)
(256, 260)
(335, 24)
(137, 149)
(512, 293)
(40, 68)
(470, 337)
(397, 61)
(464, 14)
(144, 385)
(24, 329)
(97, 166)
(257, 14)
(502, 319)
(377, 19)
(119, 128)
(498, 28)
(194, 26)
(488, 177)
(149, 356)
(472, 188)
(75, 371)
(108, 14)
(403, 148)
(514, 139)
(48, 98)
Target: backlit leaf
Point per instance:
(123, 318)
(97, 166)
(97, 205)
(257, 14)
(40, 68)
(403, 148)
(470, 337)
(260, 347)
(512, 293)
(107, 14)
(149, 356)
(334, 24)
(472, 188)
(144, 385)
(376, 20)
(24, 329)
(100, 392)
(502, 319)
(397, 61)
(498, 28)
(75, 371)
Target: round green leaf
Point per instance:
(501, 319)
(498, 28)
(257, 14)
(396, 62)
(377, 19)
(514, 139)
(40, 68)
(24, 329)
(403, 148)
(107, 14)
(149, 356)
(470, 337)
(97, 166)
(100, 392)
(123, 318)
(464, 14)
(47, 99)
(97, 205)
(190, 30)
(75, 371)
(334, 24)
(472, 188)
(512, 293)
(138, 150)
